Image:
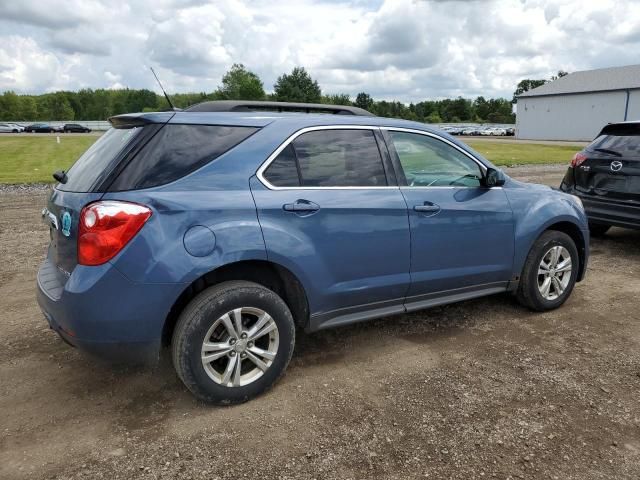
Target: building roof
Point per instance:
(603, 79)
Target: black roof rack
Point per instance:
(258, 106)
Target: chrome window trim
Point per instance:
(292, 137)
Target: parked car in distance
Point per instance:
(39, 128)
(218, 232)
(9, 128)
(75, 128)
(510, 132)
(606, 177)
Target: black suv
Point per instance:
(75, 128)
(606, 177)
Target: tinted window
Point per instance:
(429, 162)
(339, 158)
(626, 145)
(90, 166)
(177, 150)
(283, 171)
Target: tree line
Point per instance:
(241, 84)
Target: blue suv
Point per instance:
(221, 229)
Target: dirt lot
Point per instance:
(482, 389)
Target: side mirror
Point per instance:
(493, 178)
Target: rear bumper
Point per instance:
(102, 313)
(618, 213)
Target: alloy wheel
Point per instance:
(240, 346)
(554, 272)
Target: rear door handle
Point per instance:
(427, 207)
(301, 206)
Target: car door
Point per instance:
(331, 213)
(462, 239)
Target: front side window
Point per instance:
(329, 158)
(429, 162)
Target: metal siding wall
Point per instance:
(634, 105)
(569, 117)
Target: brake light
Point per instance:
(578, 158)
(106, 227)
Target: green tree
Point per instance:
(561, 73)
(337, 99)
(9, 106)
(60, 107)
(525, 86)
(28, 108)
(459, 108)
(433, 118)
(241, 84)
(481, 108)
(298, 86)
(364, 100)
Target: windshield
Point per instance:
(83, 175)
(625, 145)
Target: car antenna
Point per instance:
(162, 88)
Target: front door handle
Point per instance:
(427, 207)
(302, 206)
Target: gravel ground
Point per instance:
(480, 389)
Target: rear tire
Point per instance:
(598, 229)
(546, 283)
(220, 329)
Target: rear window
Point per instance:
(84, 174)
(625, 145)
(177, 150)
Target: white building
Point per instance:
(578, 105)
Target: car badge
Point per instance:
(616, 166)
(66, 224)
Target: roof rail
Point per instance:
(261, 106)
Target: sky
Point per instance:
(404, 50)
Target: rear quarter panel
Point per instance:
(158, 254)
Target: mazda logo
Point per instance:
(616, 166)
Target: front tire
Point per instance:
(550, 272)
(233, 342)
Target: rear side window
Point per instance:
(625, 145)
(283, 171)
(83, 175)
(177, 150)
(329, 158)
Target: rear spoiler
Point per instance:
(130, 120)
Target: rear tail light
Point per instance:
(578, 158)
(106, 227)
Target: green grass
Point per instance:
(26, 159)
(507, 153)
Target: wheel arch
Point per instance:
(578, 238)
(263, 272)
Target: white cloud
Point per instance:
(393, 49)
